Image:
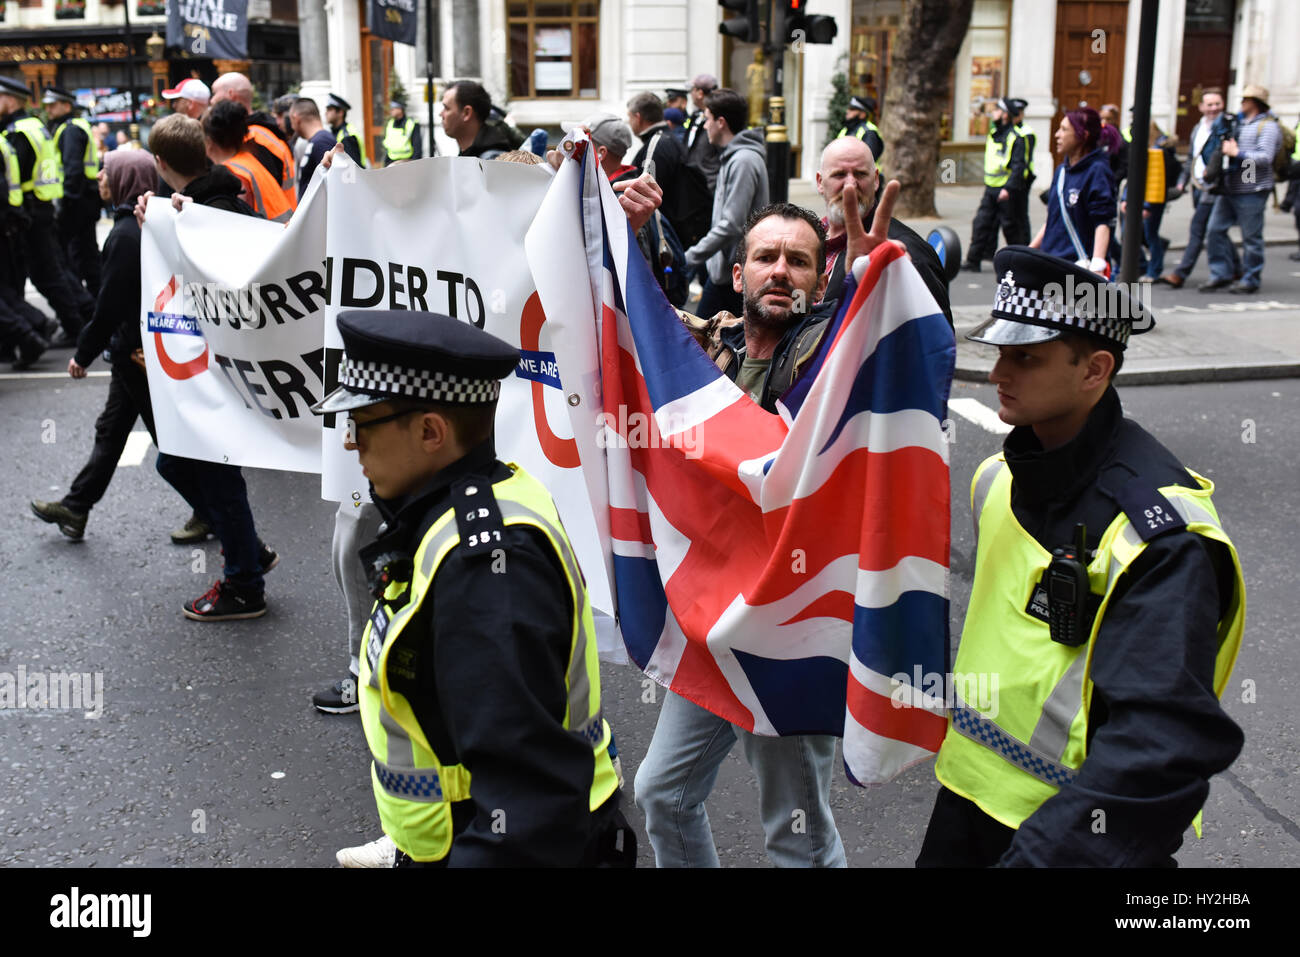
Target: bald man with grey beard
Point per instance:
(849, 157)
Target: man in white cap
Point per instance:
(190, 97)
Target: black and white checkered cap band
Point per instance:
(1017, 302)
(383, 377)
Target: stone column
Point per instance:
(313, 51)
(469, 60)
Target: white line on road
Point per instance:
(137, 445)
(973, 410)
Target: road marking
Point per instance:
(137, 445)
(50, 375)
(973, 410)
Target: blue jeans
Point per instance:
(1196, 236)
(1247, 211)
(218, 494)
(794, 782)
(1154, 242)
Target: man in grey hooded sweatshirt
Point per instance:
(742, 188)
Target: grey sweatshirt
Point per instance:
(741, 189)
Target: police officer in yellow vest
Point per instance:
(41, 173)
(858, 124)
(479, 685)
(1085, 720)
(78, 211)
(1029, 135)
(1006, 178)
(401, 136)
(336, 117)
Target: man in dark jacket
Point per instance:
(683, 206)
(78, 211)
(700, 151)
(466, 118)
(215, 491)
(849, 157)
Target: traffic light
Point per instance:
(744, 27)
(811, 29)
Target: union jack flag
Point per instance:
(780, 570)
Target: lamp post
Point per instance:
(130, 74)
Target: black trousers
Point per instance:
(961, 835)
(76, 229)
(128, 398)
(43, 257)
(1011, 216)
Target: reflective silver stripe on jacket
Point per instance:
(982, 486)
(1052, 732)
(971, 724)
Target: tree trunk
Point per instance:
(932, 32)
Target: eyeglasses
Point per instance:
(353, 426)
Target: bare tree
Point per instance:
(920, 71)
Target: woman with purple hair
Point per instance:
(1081, 199)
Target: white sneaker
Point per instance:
(380, 853)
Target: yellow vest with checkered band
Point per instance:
(46, 179)
(90, 158)
(997, 157)
(413, 788)
(1015, 756)
(12, 175)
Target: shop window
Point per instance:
(980, 78)
(553, 50)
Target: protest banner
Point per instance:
(209, 28)
(239, 317)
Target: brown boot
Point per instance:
(1172, 279)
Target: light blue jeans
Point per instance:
(794, 783)
(1247, 211)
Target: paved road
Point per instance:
(209, 753)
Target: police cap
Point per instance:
(1039, 297)
(864, 104)
(337, 101)
(55, 94)
(400, 354)
(14, 88)
(673, 93)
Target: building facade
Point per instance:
(83, 45)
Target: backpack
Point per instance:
(693, 202)
(1285, 147)
(670, 269)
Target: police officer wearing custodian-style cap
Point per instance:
(1106, 611)
(336, 116)
(78, 212)
(36, 166)
(479, 686)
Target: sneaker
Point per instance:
(224, 602)
(267, 557)
(1172, 279)
(72, 524)
(338, 698)
(192, 532)
(380, 853)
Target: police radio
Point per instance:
(1068, 592)
(386, 569)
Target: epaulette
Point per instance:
(478, 518)
(1148, 511)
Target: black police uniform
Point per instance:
(42, 256)
(1010, 215)
(78, 211)
(1156, 729)
(350, 144)
(487, 678)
